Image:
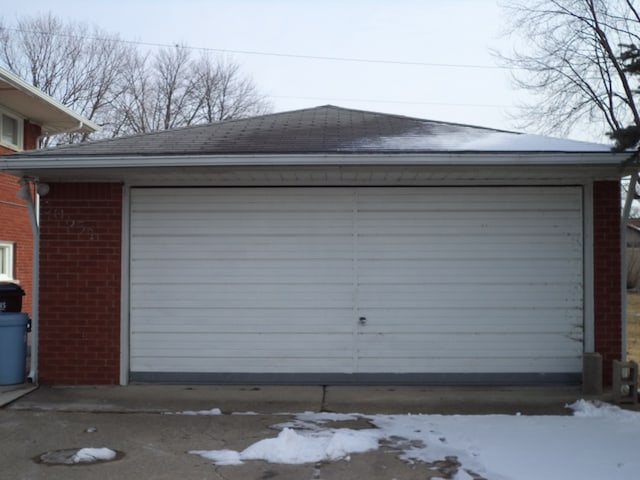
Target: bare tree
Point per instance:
(77, 66)
(570, 61)
(133, 110)
(177, 90)
(173, 88)
(223, 92)
(117, 86)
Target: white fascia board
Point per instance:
(50, 103)
(26, 163)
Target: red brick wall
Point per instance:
(80, 245)
(607, 280)
(15, 225)
(31, 134)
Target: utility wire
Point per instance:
(404, 102)
(271, 54)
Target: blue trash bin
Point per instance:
(13, 347)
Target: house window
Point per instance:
(10, 131)
(6, 261)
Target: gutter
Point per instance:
(62, 161)
(48, 133)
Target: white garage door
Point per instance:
(340, 284)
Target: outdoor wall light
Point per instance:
(42, 189)
(24, 191)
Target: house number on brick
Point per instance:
(79, 227)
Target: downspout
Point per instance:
(27, 186)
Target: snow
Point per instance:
(465, 139)
(213, 411)
(294, 448)
(86, 455)
(291, 447)
(597, 441)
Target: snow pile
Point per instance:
(213, 411)
(585, 409)
(88, 455)
(74, 456)
(500, 447)
(291, 447)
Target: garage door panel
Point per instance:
(552, 271)
(477, 344)
(294, 344)
(470, 199)
(232, 352)
(256, 368)
(509, 251)
(453, 280)
(242, 364)
(470, 296)
(235, 273)
(469, 365)
(472, 321)
(274, 321)
(236, 300)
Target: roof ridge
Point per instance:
(409, 117)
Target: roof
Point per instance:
(39, 108)
(316, 137)
(325, 129)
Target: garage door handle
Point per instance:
(362, 321)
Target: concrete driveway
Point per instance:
(133, 421)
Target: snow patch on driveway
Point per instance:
(499, 447)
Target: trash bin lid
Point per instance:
(10, 287)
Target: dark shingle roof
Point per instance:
(326, 129)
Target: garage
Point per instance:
(328, 246)
(356, 284)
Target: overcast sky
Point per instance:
(453, 76)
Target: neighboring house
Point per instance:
(26, 114)
(633, 232)
(633, 253)
(328, 246)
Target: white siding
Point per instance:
(450, 280)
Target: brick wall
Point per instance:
(607, 286)
(16, 227)
(80, 284)
(31, 134)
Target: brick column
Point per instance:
(80, 255)
(606, 272)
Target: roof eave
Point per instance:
(24, 162)
(50, 114)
